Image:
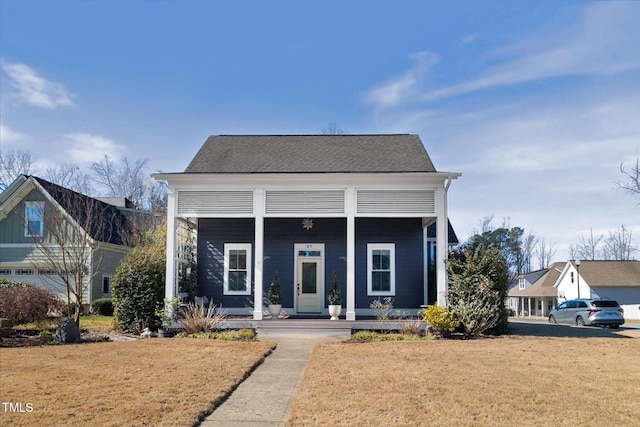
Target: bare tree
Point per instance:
(632, 178)
(545, 252)
(619, 245)
(12, 165)
(587, 247)
(528, 250)
(157, 197)
(69, 176)
(67, 243)
(332, 129)
(122, 180)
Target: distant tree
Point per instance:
(332, 129)
(529, 243)
(508, 241)
(125, 179)
(587, 248)
(69, 176)
(12, 165)
(544, 253)
(619, 245)
(632, 178)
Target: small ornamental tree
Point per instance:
(138, 284)
(335, 294)
(274, 290)
(478, 281)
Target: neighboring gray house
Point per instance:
(31, 210)
(372, 208)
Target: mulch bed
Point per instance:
(33, 338)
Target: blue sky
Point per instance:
(536, 102)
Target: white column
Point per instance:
(425, 265)
(529, 303)
(350, 208)
(171, 278)
(442, 245)
(258, 210)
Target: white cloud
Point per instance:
(603, 40)
(469, 38)
(9, 136)
(404, 87)
(87, 148)
(35, 90)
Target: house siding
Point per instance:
(407, 235)
(281, 234)
(213, 233)
(280, 237)
(105, 261)
(12, 227)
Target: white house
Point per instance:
(619, 280)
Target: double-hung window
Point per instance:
(381, 266)
(33, 219)
(237, 269)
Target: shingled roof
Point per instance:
(610, 273)
(311, 154)
(105, 222)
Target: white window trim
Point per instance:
(237, 246)
(40, 206)
(521, 283)
(391, 247)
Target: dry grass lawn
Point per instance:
(503, 381)
(154, 382)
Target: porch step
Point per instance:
(299, 325)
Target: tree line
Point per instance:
(106, 178)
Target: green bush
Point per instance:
(6, 283)
(478, 281)
(27, 304)
(138, 285)
(102, 306)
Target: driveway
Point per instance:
(540, 327)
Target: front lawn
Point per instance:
(504, 381)
(158, 382)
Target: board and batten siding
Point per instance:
(213, 233)
(281, 235)
(406, 233)
(12, 228)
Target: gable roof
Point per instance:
(610, 273)
(112, 227)
(311, 154)
(543, 284)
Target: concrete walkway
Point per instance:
(264, 399)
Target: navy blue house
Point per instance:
(370, 208)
